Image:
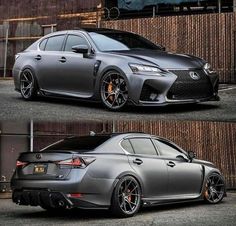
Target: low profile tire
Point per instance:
(114, 91)
(28, 85)
(214, 188)
(126, 199)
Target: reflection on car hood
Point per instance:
(165, 60)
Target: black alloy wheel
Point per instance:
(114, 90)
(126, 199)
(28, 85)
(215, 189)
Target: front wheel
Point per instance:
(126, 199)
(214, 189)
(113, 90)
(28, 85)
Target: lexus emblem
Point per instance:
(38, 156)
(194, 75)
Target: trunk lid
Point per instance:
(43, 165)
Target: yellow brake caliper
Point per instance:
(109, 90)
(206, 194)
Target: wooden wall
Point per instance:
(212, 141)
(210, 36)
(38, 8)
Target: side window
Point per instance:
(143, 146)
(166, 150)
(127, 146)
(55, 43)
(43, 44)
(73, 40)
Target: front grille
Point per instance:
(187, 88)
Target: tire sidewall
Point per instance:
(100, 90)
(115, 206)
(34, 85)
(205, 199)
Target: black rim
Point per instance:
(214, 188)
(114, 90)
(129, 196)
(26, 83)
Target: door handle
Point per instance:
(62, 60)
(138, 161)
(171, 164)
(38, 57)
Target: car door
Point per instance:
(146, 163)
(185, 177)
(76, 69)
(48, 63)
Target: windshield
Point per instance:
(118, 41)
(79, 144)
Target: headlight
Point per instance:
(140, 68)
(207, 67)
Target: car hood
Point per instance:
(203, 162)
(165, 60)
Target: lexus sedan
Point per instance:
(114, 67)
(120, 172)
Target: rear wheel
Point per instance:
(114, 90)
(28, 85)
(214, 189)
(126, 199)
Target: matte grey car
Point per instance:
(114, 67)
(120, 172)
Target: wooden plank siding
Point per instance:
(209, 36)
(212, 141)
(29, 8)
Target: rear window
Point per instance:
(77, 144)
(55, 43)
(43, 44)
(143, 146)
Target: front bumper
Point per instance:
(175, 87)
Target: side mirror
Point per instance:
(191, 155)
(163, 48)
(181, 156)
(81, 49)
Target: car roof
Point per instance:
(99, 30)
(119, 135)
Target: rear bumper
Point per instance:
(51, 199)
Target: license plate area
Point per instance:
(40, 169)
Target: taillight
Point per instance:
(80, 162)
(20, 164)
(71, 162)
